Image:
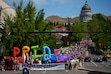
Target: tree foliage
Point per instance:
(27, 20)
(99, 30)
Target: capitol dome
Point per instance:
(86, 7)
(86, 13)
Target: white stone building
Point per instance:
(86, 14)
(5, 9)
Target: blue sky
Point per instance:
(68, 8)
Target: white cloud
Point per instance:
(45, 2)
(40, 2)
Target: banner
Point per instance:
(50, 66)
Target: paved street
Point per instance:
(57, 72)
(99, 66)
(47, 72)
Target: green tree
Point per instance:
(99, 30)
(78, 27)
(42, 26)
(100, 24)
(27, 20)
(19, 26)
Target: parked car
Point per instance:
(87, 59)
(97, 59)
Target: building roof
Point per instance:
(86, 6)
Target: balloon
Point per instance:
(25, 50)
(53, 58)
(57, 53)
(16, 51)
(59, 58)
(64, 58)
(34, 51)
(44, 53)
(20, 59)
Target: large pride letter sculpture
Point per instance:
(45, 58)
(57, 55)
(16, 51)
(34, 56)
(25, 51)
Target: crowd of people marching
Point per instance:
(77, 53)
(76, 57)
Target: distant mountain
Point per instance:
(55, 19)
(59, 19)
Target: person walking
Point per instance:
(67, 65)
